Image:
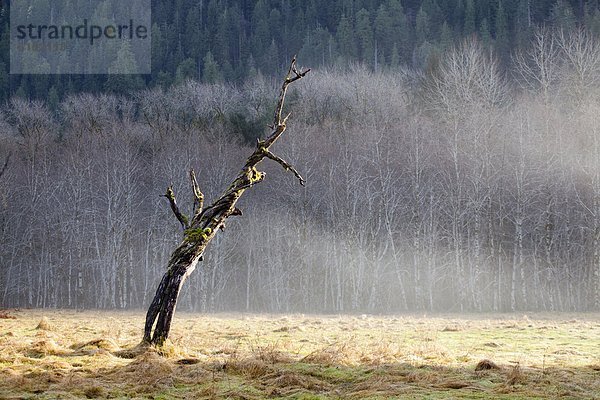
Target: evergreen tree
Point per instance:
(175, 58)
(345, 39)
(484, 9)
(53, 99)
(163, 79)
(319, 48)
(592, 17)
(435, 17)
(239, 51)
(484, 32)
(4, 43)
(222, 38)
(446, 37)
(502, 44)
(395, 57)
(401, 28)
(523, 24)
(210, 71)
(122, 72)
(458, 16)
(186, 70)
(422, 27)
(4, 82)
(159, 51)
(469, 25)
(193, 40)
(261, 36)
(298, 29)
(21, 92)
(125, 62)
(40, 85)
(253, 72)
(270, 60)
(275, 23)
(423, 56)
(384, 34)
(562, 16)
(364, 35)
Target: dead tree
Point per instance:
(205, 222)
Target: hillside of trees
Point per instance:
(458, 188)
(233, 40)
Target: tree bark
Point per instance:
(205, 223)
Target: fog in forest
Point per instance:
(467, 187)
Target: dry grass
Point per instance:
(6, 315)
(64, 354)
(486, 365)
(44, 324)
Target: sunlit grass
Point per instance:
(72, 354)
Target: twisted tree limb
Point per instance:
(284, 164)
(206, 222)
(170, 195)
(198, 196)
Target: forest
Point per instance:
(469, 186)
(232, 40)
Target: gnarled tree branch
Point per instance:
(287, 166)
(170, 195)
(198, 196)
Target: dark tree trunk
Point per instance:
(206, 222)
(182, 264)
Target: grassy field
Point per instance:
(51, 354)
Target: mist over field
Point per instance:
(467, 187)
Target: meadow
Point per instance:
(49, 354)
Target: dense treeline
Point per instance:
(227, 40)
(457, 189)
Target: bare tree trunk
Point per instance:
(205, 222)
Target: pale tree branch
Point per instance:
(170, 195)
(287, 166)
(279, 124)
(198, 196)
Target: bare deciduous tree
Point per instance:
(582, 54)
(539, 67)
